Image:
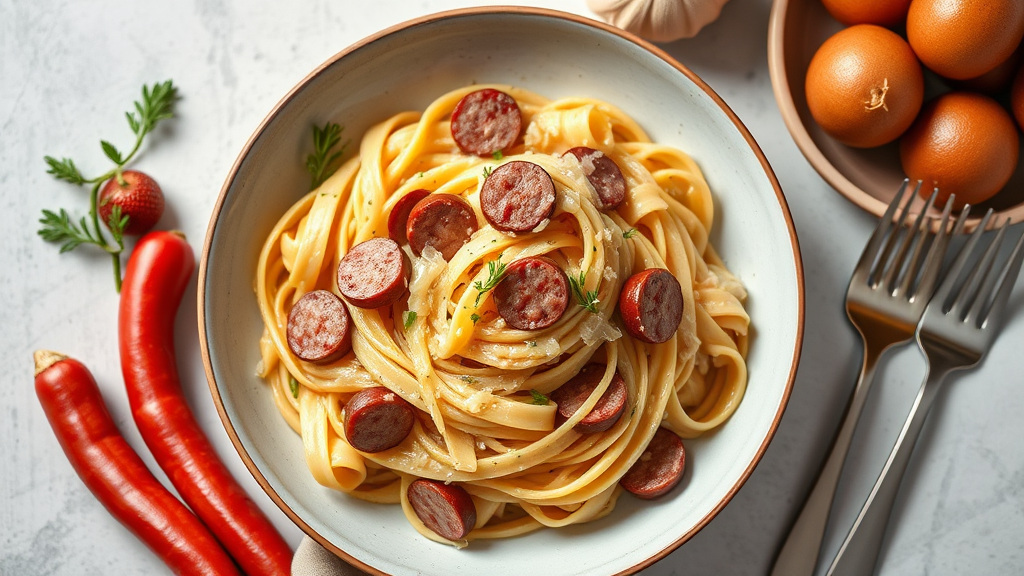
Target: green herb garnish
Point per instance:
(531, 343)
(487, 172)
(322, 163)
(408, 317)
(474, 317)
(495, 272)
(157, 104)
(294, 385)
(629, 233)
(586, 299)
(497, 155)
(538, 398)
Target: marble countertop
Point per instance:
(68, 70)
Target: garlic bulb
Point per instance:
(659, 20)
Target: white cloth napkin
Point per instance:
(312, 559)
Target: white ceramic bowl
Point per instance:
(557, 55)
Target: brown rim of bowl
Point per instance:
(204, 348)
(784, 100)
(818, 161)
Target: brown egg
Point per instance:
(963, 39)
(881, 12)
(864, 86)
(1017, 97)
(964, 143)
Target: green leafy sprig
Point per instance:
(629, 233)
(157, 104)
(322, 163)
(495, 272)
(585, 298)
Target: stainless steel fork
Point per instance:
(886, 297)
(956, 331)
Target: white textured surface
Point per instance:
(69, 70)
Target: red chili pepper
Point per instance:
(158, 272)
(116, 475)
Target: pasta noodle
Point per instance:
(478, 425)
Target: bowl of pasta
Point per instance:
(501, 287)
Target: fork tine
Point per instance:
(942, 294)
(980, 279)
(871, 251)
(917, 236)
(932, 264)
(885, 260)
(994, 315)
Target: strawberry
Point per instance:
(139, 198)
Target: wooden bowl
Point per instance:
(867, 177)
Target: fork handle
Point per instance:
(799, 554)
(859, 551)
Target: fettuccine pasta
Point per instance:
(480, 388)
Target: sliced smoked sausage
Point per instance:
(319, 327)
(399, 216)
(603, 174)
(571, 395)
(517, 196)
(651, 305)
(486, 121)
(377, 419)
(659, 468)
(373, 273)
(533, 294)
(447, 509)
(444, 221)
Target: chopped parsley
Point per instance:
(629, 233)
(293, 384)
(538, 398)
(408, 317)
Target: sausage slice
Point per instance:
(604, 175)
(377, 419)
(571, 395)
(533, 294)
(399, 216)
(651, 305)
(659, 468)
(447, 509)
(517, 196)
(373, 273)
(319, 327)
(486, 121)
(444, 221)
